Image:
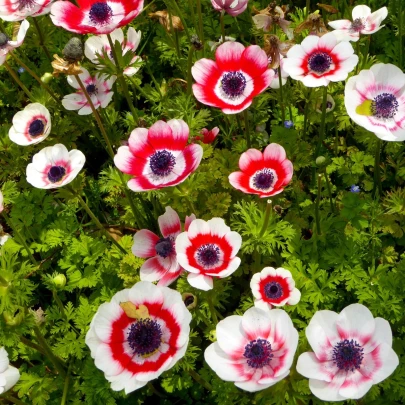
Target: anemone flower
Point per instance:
(208, 135)
(142, 332)
(352, 352)
(364, 22)
(17, 10)
(9, 375)
(94, 16)
(375, 100)
(162, 264)
(255, 351)
(208, 249)
(7, 45)
(231, 82)
(54, 167)
(31, 125)
(158, 157)
(318, 61)
(231, 7)
(264, 174)
(94, 47)
(99, 88)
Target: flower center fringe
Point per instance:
(3, 40)
(100, 13)
(357, 25)
(36, 128)
(263, 179)
(258, 353)
(208, 255)
(319, 62)
(273, 290)
(164, 247)
(56, 173)
(91, 89)
(348, 355)
(144, 337)
(233, 84)
(162, 163)
(384, 106)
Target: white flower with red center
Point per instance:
(274, 287)
(7, 45)
(320, 60)
(95, 16)
(54, 166)
(162, 261)
(9, 375)
(375, 100)
(352, 352)
(364, 22)
(275, 83)
(17, 10)
(232, 81)
(94, 47)
(208, 135)
(255, 351)
(264, 174)
(31, 125)
(142, 332)
(97, 87)
(231, 7)
(158, 157)
(208, 249)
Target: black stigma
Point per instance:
(319, 62)
(100, 13)
(164, 247)
(91, 89)
(263, 180)
(162, 163)
(36, 128)
(233, 84)
(56, 173)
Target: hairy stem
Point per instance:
(41, 39)
(66, 387)
(201, 26)
(329, 192)
(377, 189)
(180, 15)
(365, 53)
(306, 110)
(247, 129)
(282, 105)
(199, 379)
(32, 345)
(266, 220)
(18, 81)
(318, 199)
(212, 308)
(322, 126)
(189, 65)
(221, 20)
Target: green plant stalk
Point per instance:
(192, 13)
(199, 379)
(329, 192)
(66, 386)
(12, 399)
(59, 303)
(189, 65)
(32, 345)
(269, 207)
(318, 200)
(336, 135)
(400, 21)
(155, 391)
(221, 19)
(201, 26)
(180, 15)
(139, 88)
(282, 105)
(307, 7)
(174, 35)
(41, 39)
(121, 79)
(212, 308)
(247, 129)
(377, 188)
(18, 81)
(365, 53)
(3, 282)
(322, 126)
(306, 110)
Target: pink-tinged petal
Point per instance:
(218, 227)
(200, 281)
(169, 223)
(328, 391)
(376, 18)
(382, 334)
(188, 221)
(154, 269)
(253, 385)
(139, 144)
(126, 161)
(340, 24)
(182, 243)
(204, 70)
(231, 337)
(256, 324)
(193, 154)
(106, 315)
(254, 61)
(274, 152)
(312, 81)
(327, 41)
(144, 244)
(146, 292)
(228, 56)
(207, 96)
(288, 171)
(231, 267)
(251, 161)
(198, 227)
(309, 44)
(66, 15)
(361, 12)
(170, 277)
(310, 367)
(180, 133)
(355, 386)
(235, 241)
(231, 109)
(240, 181)
(388, 75)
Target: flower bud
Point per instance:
(190, 300)
(195, 41)
(321, 161)
(13, 319)
(59, 281)
(73, 50)
(212, 335)
(46, 77)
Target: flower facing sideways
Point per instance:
(54, 167)
(208, 249)
(232, 81)
(318, 61)
(264, 174)
(7, 44)
(99, 88)
(9, 375)
(352, 352)
(94, 16)
(17, 10)
(255, 350)
(275, 83)
(142, 332)
(31, 125)
(94, 47)
(162, 262)
(208, 135)
(231, 7)
(158, 157)
(274, 287)
(364, 22)
(375, 100)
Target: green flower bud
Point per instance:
(73, 50)
(212, 335)
(46, 77)
(321, 161)
(13, 319)
(59, 281)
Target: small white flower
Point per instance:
(7, 45)
(31, 125)
(9, 375)
(54, 167)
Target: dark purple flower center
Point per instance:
(91, 89)
(3, 40)
(384, 106)
(263, 179)
(189, 300)
(328, 105)
(164, 247)
(26, 4)
(208, 255)
(357, 25)
(144, 337)
(348, 355)
(258, 353)
(36, 128)
(233, 84)
(100, 13)
(56, 173)
(273, 290)
(162, 163)
(319, 62)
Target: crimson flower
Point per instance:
(208, 135)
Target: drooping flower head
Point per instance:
(99, 88)
(274, 287)
(232, 81)
(264, 174)
(158, 157)
(142, 332)
(94, 47)
(9, 375)
(375, 100)
(162, 261)
(54, 167)
(17, 10)
(208, 135)
(275, 83)
(208, 249)
(364, 22)
(231, 7)
(7, 45)
(318, 61)
(95, 16)
(352, 352)
(255, 351)
(31, 125)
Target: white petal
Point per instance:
(310, 367)
(200, 281)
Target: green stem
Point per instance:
(336, 135)
(280, 81)
(221, 19)
(322, 126)
(318, 199)
(247, 129)
(212, 308)
(66, 387)
(139, 88)
(307, 7)
(365, 53)
(189, 65)
(199, 379)
(269, 207)
(377, 189)
(155, 391)
(3, 282)
(400, 34)
(32, 345)
(12, 399)
(306, 110)
(41, 39)
(180, 15)
(329, 192)
(192, 13)
(18, 81)
(59, 303)
(201, 26)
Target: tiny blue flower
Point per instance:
(354, 188)
(288, 124)
(21, 70)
